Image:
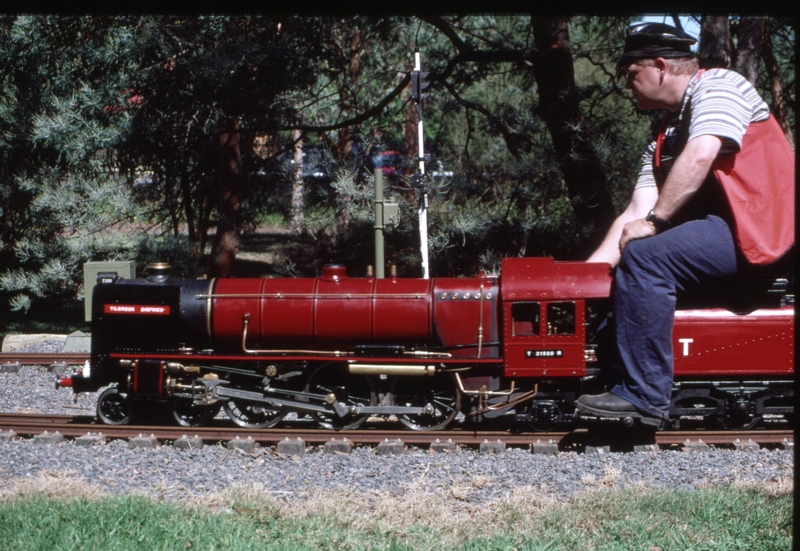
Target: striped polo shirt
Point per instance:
(718, 102)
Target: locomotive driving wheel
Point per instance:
(188, 414)
(335, 380)
(439, 398)
(114, 407)
(253, 415)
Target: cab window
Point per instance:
(525, 318)
(561, 318)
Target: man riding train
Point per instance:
(714, 201)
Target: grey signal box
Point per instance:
(91, 271)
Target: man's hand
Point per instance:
(635, 229)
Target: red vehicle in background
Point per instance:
(391, 163)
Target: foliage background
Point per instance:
(174, 137)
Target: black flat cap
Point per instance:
(652, 40)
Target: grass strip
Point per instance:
(723, 518)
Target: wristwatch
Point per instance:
(659, 223)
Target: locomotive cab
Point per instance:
(544, 315)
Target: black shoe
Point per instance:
(606, 404)
(611, 405)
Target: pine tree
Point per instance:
(62, 198)
(137, 137)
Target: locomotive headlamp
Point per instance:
(105, 278)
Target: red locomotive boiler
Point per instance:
(515, 348)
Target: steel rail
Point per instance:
(219, 431)
(42, 358)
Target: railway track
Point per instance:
(43, 358)
(221, 431)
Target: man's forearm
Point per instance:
(687, 175)
(608, 251)
(642, 200)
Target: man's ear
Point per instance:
(663, 68)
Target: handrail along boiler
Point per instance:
(516, 348)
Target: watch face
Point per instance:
(655, 220)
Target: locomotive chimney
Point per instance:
(157, 272)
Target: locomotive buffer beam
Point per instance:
(224, 392)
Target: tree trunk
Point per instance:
(410, 125)
(715, 42)
(348, 101)
(748, 49)
(298, 187)
(189, 211)
(575, 153)
(229, 225)
(776, 87)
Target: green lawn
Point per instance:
(732, 518)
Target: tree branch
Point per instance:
(512, 146)
(358, 119)
(467, 53)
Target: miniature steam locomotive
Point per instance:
(518, 348)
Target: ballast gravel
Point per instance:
(466, 475)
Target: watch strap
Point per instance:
(659, 223)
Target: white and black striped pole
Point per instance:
(418, 87)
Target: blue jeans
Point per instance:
(650, 273)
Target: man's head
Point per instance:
(658, 62)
